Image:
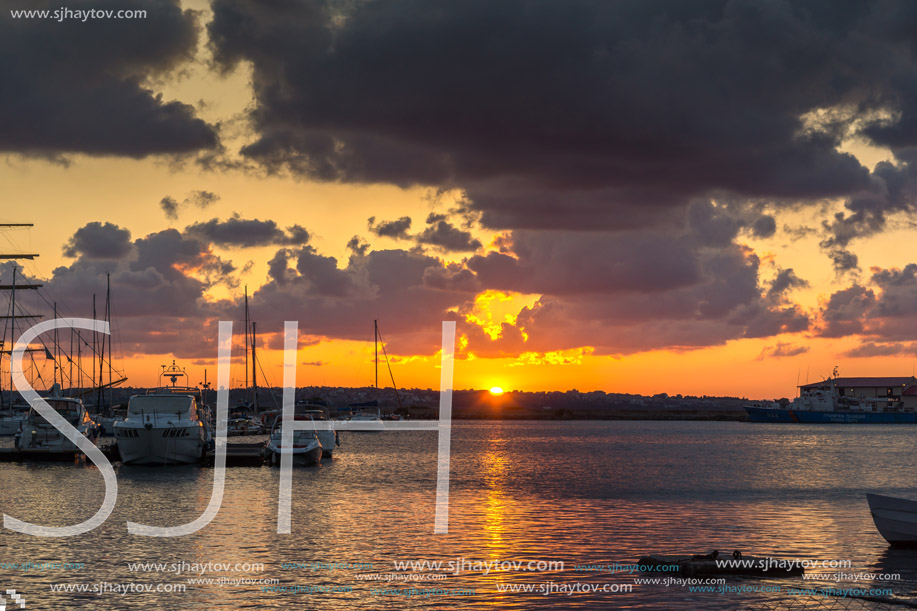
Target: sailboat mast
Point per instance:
(79, 360)
(245, 325)
(12, 331)
(111, 392)
(100, 391)
(94, 342)
(70, 359)
(56, 348)
(254, 376)
(376, 345)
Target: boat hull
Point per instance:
(160, 446)
(310, 455)
(52, 442)
(328, 440)
(763, 414)
(895, 519)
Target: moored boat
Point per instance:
(167, 426)
(306, 448)
(39, 435)
(329, 438)
(878, 400)
(895, 519)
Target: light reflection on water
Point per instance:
(579, 492)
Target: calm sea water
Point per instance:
(585, 493)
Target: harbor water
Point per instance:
(587, 494)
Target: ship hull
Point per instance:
(159, 446)
(763, 414)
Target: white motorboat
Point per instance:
(895, 519)
(306, 450)
(38, 434)
(329, 438)
(162, 428)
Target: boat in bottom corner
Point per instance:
(895, 519)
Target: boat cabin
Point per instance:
(899, 391)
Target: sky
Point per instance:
(707, 197)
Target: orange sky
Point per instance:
(60, 198)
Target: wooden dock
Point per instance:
(237, 455)
(240, 455)
(13, 455)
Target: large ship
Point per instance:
(836, 400)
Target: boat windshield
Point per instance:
(72, 411)
(141, 404)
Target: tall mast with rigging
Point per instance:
(254, 377)
(12, 316)
(245, 326)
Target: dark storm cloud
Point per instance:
(624, 292)
(244, 233)
(764, 227)
(781, 350)
(396, 287)
(885, 313)
(358, 246)
(447, 236)
(99, 241)
(786, 280)
(893, 190)
(78, 87)
(397, 229)
(871, 349)
(158, 286)
(634, 106)
(170, 206)
(619, 293)
(439, 232)
(846, 310)
(200, 199)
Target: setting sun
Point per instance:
(496, 390)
